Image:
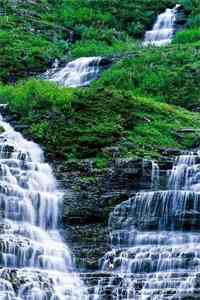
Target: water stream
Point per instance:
(80, 72)
(35, 263)
(155, 240)
(163, 29)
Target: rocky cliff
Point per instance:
(91, 194)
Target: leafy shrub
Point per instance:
(171, 75)
(187, 36)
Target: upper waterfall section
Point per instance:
(163, 29)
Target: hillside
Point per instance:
(127, 103)
(34, 33)
(134, 133)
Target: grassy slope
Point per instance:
(170, 75)
(127, 106)
(109, 26)
(29, 40)
(82, 123)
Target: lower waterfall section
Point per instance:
(155, 241)
(35, 263)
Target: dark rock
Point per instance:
(89, 197)
(170, 151)
(88, 242)
(181, 18)
(21, 127)
(188, 130)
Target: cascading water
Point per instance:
(80, 72)
(155, 239)
(163, 30)
(35, 263)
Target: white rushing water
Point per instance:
(155, 240)
(163, 30)
(77, 73)
(35, 263)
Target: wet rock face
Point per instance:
(151, 211)
(91, 194)
(27, 284)
(12, 281)
(155, 240)
(116, 286)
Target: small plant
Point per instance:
(101, 162)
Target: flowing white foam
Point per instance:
(77, 73)
(155, 240)
(35, 263)
(163, 30)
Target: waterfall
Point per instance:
(163, 29)
(155, 175)
(155, 240)
(35, 263)
(77, 73)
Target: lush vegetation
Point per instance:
(137, 106)
(29, 40)
(34, 33)
(84, 123)
(128, 16)
(171, 76)
(109, 26)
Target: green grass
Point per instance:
(137, 105)
(170, 75)
(23, 54)
(96, 48)
(77, 124)
(187, 36)
(30, 43)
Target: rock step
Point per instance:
(129, 238)
(173, 286)
(31, 282)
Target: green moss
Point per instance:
(24, 54)
(88, 179)
(29, 40)
(187, 36)
(101, 48)
(101, 162)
